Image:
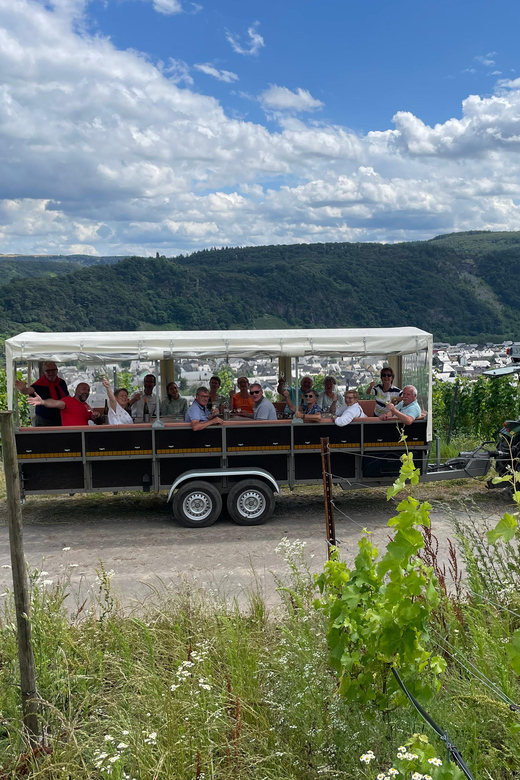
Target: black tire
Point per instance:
(250, 502)
(197, 504)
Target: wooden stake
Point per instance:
(327, 493)
(20, 579)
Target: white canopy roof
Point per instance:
(157, 345)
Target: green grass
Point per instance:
(189, 687)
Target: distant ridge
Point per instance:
(460, 286)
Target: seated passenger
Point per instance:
(74, 409)
(242, 400)
(406, 410)
(328, 400)
(117, 403)
(174, 405)
(263, 409)
(49, 385)
(384, 391)
(216, 398)
(137, 400)
(349, 412)
(310, 411)
(296, 398)
(199, 415)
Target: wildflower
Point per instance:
(435, 761)
(47, 582)
(66, 549)
(125, 732)
(113, 759)
(394, 771)
(401, 755)
(122, 746)
(381, 776)
(151, 738)
(417, 776)
(401, 749)
(427, 777)
(367, 757)
(205, 686)
(108, 738)
(173, 687)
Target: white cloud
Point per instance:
(277, 98)
(82, 249)
(256, 42)
(177, 71)
(105, 152)
(167, 7)
(221, 75)
(486, 59)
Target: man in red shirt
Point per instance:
(74, 409)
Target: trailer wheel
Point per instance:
(197, 504)
(250, 502)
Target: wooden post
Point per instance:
(20, 579)
(327, 493)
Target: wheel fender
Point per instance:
(238, 472)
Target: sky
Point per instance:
(144, 126)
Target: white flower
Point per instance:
(108, 738)
(47, 582)
(122, 746)
(66, 549)
(401, 749)
(428, 777)
(381, 776)
(417, 776)
(173, 687)
(401, 755)
(435, 761)
(205, 686)
(113, 759)
(393, 771)
(125, 732)
(366, 758)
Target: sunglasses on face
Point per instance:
(386, 375)
(255, 392)
(311, 395)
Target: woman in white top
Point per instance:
(350, 411)
(117, 414)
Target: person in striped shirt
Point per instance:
(384, 391)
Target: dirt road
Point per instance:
(135, 536)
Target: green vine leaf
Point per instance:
(505, 529)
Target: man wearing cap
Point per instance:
(49, 385)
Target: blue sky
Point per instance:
(169, 125)
(364, 60)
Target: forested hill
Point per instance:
(456, 289)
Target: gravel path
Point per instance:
(136, 537)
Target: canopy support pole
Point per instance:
(285, 369)
(167, 374)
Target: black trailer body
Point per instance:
(107, 458)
